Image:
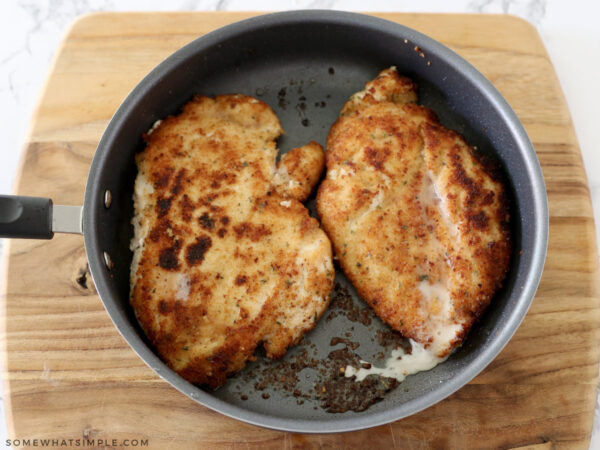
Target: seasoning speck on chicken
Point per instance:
(419, 224)
(225, 255)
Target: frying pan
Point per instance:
(319, 58)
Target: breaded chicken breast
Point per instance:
(417, 221)
(225, 255)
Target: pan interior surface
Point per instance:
(305, 65)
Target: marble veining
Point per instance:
(532, 10)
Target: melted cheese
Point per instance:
(400, 364)
(443, 328)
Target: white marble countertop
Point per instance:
(30, 32)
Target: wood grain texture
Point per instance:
(67, 373)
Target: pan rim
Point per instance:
(94, 192)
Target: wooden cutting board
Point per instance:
(68, 374)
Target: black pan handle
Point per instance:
(36, 217)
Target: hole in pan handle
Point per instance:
(37, 218)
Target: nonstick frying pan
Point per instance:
(319, 58)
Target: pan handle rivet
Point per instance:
(107, 199)
(108, 261)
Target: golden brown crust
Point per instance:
(222, 261)
(418, 225)
(388, 86)
(299, 170)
